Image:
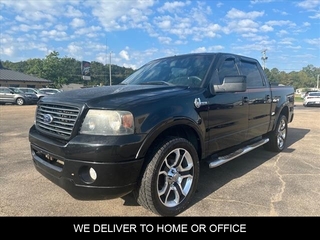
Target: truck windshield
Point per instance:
(182, 70)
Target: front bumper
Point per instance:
(31, 100)
(69, 165)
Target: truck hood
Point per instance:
(116, 96)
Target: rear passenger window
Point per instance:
(251, 71)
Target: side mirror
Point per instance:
(232, 84)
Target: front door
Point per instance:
(227, 111)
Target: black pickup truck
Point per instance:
(147, 135)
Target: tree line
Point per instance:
(67, 70)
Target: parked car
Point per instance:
(148, 134)
(16, 96)
(50, 90)
(312, 99)
(308, 92)
(36, 91)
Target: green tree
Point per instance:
(312, 73)
(71, 69)
(54, 70)
(34, 67)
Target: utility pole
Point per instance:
(110, 68)
(106, 58)
(264, 58)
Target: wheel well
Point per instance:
(183, 131)
(285, 112)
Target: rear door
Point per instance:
(259, 97)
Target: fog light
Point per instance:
(87, 174)
(93, 174)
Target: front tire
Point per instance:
(170, 178)
(278, 137)
(20, 101)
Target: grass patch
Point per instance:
(298, 99)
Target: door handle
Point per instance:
(268, 98)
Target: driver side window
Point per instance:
(227, 68)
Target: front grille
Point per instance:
(58, 120)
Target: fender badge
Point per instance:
(198, 103)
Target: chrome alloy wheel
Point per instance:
(282, 133)
(175, 177)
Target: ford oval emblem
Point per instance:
(47, 118)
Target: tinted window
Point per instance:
(5, 90)
(314, 94)
(227, 68)
(251, 71)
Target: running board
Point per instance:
(215, 162)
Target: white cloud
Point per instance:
(314, 41)
(281, 23)
(74, 50)
(54, 34)
(261, 1)
(112, 15)
(8, 51)
(90, 32)
(266, 28)
(245, 25)
(293, 47)
(124, 54)
(77, 22)
(282, 33)
(286, 41)
(164, 40)
(309, 4)
(27, 28)
(219, 4)
(61, 27)
(280, 12)
(235, 13)
(172, 6)
(200, 50)
(73, 12)
(164, 24)
(216, 48)
(316, 16)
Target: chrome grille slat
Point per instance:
(53, 112)
(55, 126)
(62, 121)
(53, 129)
(59, 122)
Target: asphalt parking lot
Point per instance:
(259, 183)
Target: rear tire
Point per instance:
(278, 137)
(170, 178)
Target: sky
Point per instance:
(130, 33)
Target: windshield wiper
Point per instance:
(156, 83)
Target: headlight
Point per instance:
(107, 122)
